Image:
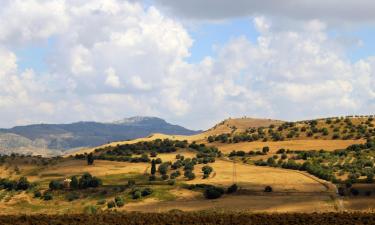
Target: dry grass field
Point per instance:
(257, 178)
(328, 145)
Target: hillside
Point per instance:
(55, 138)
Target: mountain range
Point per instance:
(55, 139)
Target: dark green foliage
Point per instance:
(119, 201)
(74, 183)
(189, 175)
(111, 204)
(212, 192)
(268, 189)
(55, 185)
(153, 167)
(125, 152)
(87, 181)
(37, 194)
(207, 170)
(136, 194)
(233, 188)
(90, 159)
(163, 168)
(47, 196)
(146, 192)
(23, 184)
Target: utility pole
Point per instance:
(234, 172)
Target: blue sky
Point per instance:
(206, 37)
(103, 60)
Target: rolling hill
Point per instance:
(53, 139)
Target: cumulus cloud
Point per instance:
(114, 58)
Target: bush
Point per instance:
(233, 188)
(146, 192)
(37, 194)
(23, 184)
(119, 201)
(47, 196)
(189, 175)
(213, 192)
(268, 189)
(55, 185)
(136, 194)
(164, 177)
(111, 204)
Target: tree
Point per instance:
(233, 188)
(213, 192)
(207, 170)
(90, 159)
(55, 185)
(74, 183)
(153, 167)
(189, 175)
(370, 178)
(268, 189)
(163, 168)
(265, 149)
(23, 184)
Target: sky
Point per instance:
(193, 63)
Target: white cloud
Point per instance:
(112, 79)
(115, 58)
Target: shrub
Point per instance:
(268, 189)
(136, 194)
(111, 204)
(152, 178)
(189, 175)
(47, 196)
(55, 185)
(207, 170)
(146, 192)
(213, 192)
(23, 184)
(119, 201)
(164, 177)
(37, 194)
(233, 188)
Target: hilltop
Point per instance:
(54, 139)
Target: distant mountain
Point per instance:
(53, 139)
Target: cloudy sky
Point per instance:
(192, 62)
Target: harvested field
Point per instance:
(328, 145)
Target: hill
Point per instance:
(56, 138)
